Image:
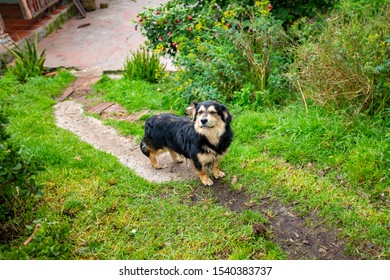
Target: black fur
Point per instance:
(180, 135)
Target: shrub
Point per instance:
(17, 184)
(28, 63)
(143, 66)
(16, 171)
(347, 66)
(221, 49)
(290, 11)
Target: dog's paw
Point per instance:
(157, 166)
(219, 174)
(207, 182)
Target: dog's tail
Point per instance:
(144, 148)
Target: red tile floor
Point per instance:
(19, 28)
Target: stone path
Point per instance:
(103, 39)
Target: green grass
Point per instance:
(328, 162)
(127, 128)
(95, 208)
(135, 95)
(322, 162)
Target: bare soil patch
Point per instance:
(300, 238)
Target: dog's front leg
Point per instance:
(202, 173)
(204, 178)
(215, 169)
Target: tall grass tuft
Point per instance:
(348, 65)
(143, 66)
(28, 62)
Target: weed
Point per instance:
(143, 65)
(28, 62)
(347, 65)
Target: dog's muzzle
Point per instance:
(204, 123)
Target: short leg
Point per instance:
(217, 173)
(175, 156)
(202, 173)
(153, 158)
(204, 178)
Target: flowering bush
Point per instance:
(181, 25)
(221, 47)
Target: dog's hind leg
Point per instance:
(215, 169)
(175, 156)
(153, 158)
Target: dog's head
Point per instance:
(209, 117)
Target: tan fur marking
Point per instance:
(207, 158)
(153, 158)
(190, 110)
(216, 126)
(204, 178)
(175, 157)
(217, 173)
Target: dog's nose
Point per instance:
(203, 120)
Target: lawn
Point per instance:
(92, 207)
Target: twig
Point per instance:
(37, 226)
(303, 97)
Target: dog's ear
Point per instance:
(227, 118)
(191, 110)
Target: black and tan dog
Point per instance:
(202, 139)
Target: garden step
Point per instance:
(100, 108)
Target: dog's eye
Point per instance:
(213, 113)
(200, 112)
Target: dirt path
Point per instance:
(69, 115)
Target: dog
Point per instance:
(203, 139)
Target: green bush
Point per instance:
(143, 66)
(220, 49)
(16, 171)
(290, 11)
(28, 63)
(347, 66)
(17, 184)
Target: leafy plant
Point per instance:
(143, 65)
(16, 171)
(221, 48)
(28, 62)
(17, 182)
(290, 11)
(347, 65)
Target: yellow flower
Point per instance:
(264, 7)
(373, 38)
(199, 26)
(160, 48)
(229, 14)
(197, 40)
